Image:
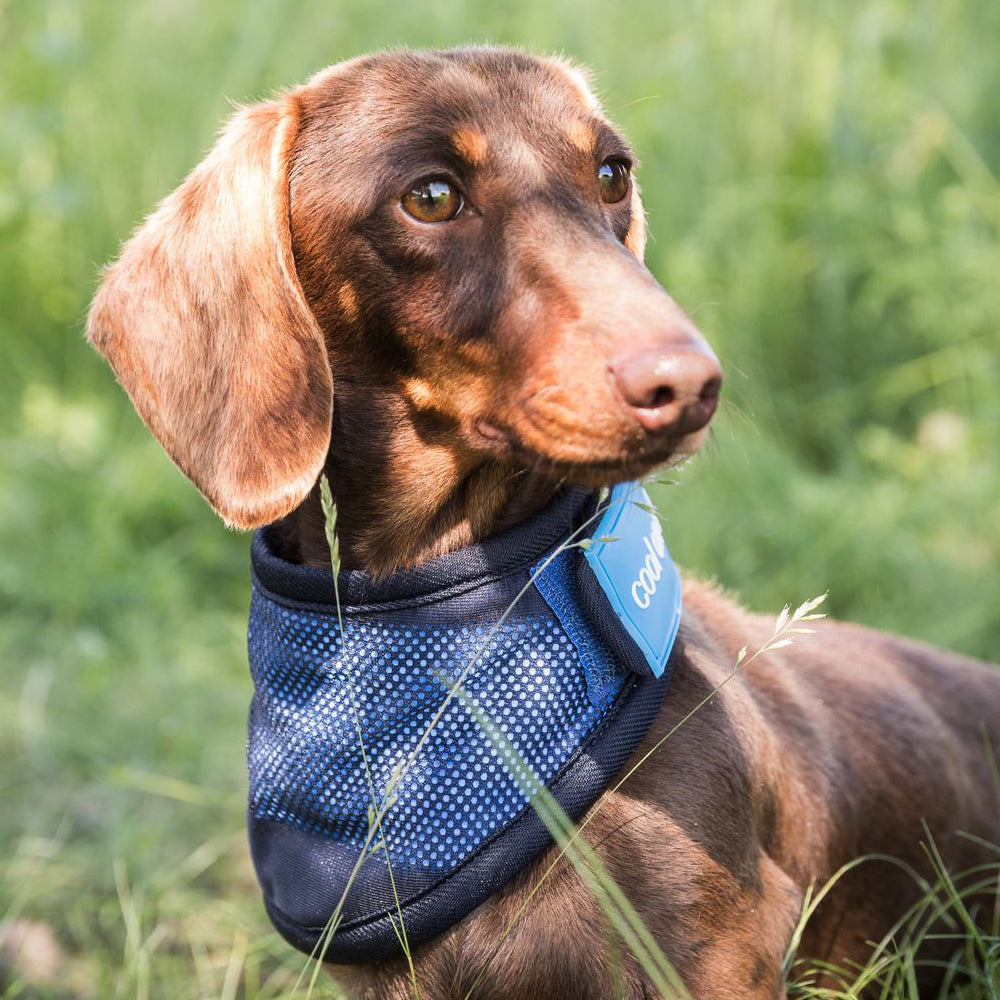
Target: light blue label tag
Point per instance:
(635, 571)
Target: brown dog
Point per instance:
(422, 273)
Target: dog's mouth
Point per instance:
(587, 459)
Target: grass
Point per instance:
(822, 180)
(948, 911)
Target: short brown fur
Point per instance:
(279, 316)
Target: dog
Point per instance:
(421, 274)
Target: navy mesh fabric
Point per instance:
(343, 724)
(320, 700)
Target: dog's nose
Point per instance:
(674, 390)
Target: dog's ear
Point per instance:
(205, 324)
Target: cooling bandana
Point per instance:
(393, 750)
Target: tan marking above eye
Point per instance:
(432, 200)
(470, 144)
(581, 136)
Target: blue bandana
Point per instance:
(375, 794)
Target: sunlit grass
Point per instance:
(949, 911)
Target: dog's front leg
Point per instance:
(728, 938)
(725, 938)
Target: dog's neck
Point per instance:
(407, 485)
(412, 520)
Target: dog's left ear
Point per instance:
(205, 324)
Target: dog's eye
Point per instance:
(612, 177)
(432, 200)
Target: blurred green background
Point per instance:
(822, 184)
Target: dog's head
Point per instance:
(450, 244)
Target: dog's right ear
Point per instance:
(205, 324)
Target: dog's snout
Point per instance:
(674, 390)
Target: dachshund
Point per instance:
(421, 273)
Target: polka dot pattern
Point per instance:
(338, 726)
